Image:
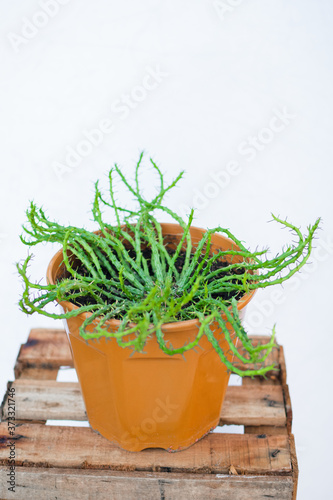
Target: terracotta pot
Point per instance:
(151, 400)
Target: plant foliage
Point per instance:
(119, 281)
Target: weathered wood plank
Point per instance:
(47, 400)
(287, 406)
(78, 447)
(4, 408)
(50, 400)
(35, 373)
(257, 405)
(69, 484)
(46, 349)
(271, 379)
(270, 430)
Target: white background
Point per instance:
(226, 72)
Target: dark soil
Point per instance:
(225, 296)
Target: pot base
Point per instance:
(149, 445)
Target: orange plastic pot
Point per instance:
(150, 399)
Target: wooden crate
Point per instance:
(66, 462)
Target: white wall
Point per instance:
(221, 71)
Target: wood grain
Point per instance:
(36, 373)
(258, 405)
(78, 447)
(72, 484)
(270, 430)
(46, 349)
(47, 400)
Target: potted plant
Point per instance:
(153, 312)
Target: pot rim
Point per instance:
(167, 327)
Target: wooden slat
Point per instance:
(39, 484)
(4, 408)
(287, 406)
(269, 430)
(271, 379)
(36, 373)
(47, 400)
(43, 400)
(78, 447)
(69, 484)
(258, 405)
(45, 349)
